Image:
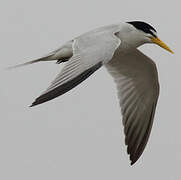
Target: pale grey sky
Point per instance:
(80, 134)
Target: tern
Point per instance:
(115, 47)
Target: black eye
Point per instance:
(152, 34)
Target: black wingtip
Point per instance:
(33, 104)
(62, 89)
(132, 162)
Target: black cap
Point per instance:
(143, 27)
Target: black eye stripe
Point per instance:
(143, 27)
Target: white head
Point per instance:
(136, 33)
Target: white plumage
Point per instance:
(135, 74)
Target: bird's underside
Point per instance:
(134, 73)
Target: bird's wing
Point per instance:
(90, 51)
(136, 78)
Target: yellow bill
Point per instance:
(161, 44)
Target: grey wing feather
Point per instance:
(90, 51)
(138, 89)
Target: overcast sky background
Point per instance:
(80, 134)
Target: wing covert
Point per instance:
(90, 51)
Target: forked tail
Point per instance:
(46, 58)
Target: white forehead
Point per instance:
(153, 32)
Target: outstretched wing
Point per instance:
(138, 89)
(90, 51)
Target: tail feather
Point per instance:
(46, 58)
(61, 55)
